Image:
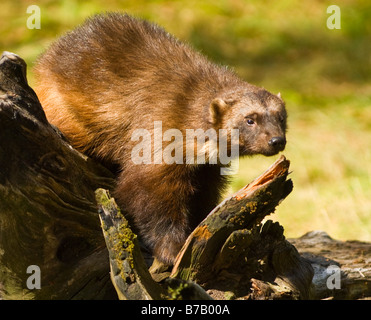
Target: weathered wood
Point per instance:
(48, 215)
(242, 210)
(230, 247)
(342, 268)
(129, 272)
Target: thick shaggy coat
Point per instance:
(116, 74)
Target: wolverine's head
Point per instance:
(260, 117)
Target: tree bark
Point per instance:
(48, 215)
(231, 250)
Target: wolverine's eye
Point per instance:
(250, 122)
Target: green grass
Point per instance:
(324, 76)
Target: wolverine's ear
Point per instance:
(217, 108)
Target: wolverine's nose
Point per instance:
(278, 143)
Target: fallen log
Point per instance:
(48, 216)
(342, 268)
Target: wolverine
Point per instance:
(116, 74)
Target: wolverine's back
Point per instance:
(113, 63)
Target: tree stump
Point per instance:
(56, 216)
(48, 215)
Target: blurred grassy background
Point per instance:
(324, 76)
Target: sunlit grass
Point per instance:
(323, 75)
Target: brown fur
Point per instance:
(115, 74)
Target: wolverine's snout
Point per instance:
(278, 143)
